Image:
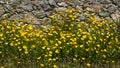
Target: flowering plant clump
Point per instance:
(69, 39)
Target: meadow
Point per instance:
(70, 42)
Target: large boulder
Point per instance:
(1, 10)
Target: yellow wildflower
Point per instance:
(88, 64)
(83, 37)
(104, 56)
(18, 62)
(98, 45)
(57, 51)
(54, 66)
(2, 67)
(24, 47)
(81, 46)
(0, 52)
(33, 46)
(39, 57)
(42, 65)
(83, 58)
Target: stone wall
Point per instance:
(38, 11)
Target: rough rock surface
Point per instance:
(1, 10)
(40, 10)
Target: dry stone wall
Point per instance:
(38, 11)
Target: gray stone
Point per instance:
(115, 16)
(60, 9)
(36, 3)
(92, 1)
(76, 2)
(48, 13)
(28, 7)
(38, 7)
(104, 9)
(104, 14)
(26, 1)
(8, 7)
(62, 4)
(80, 3)
(58, 1)
(1, 10)
(119, 8)
(14, 4)
(44, 21)
(13, 1)
(70, 4)
(79, 7)
(47, 8)
(27, 17)
(52, 2)
(16, 17)
(116, 2)
(2, 2)
(107, 5)
(112, 9)
(117, 11)
(106, 1)
(45, 5)
(19, 10)
(39, 14)
(45, 1)
(30, 18)
(34, 7)
(95, 8)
